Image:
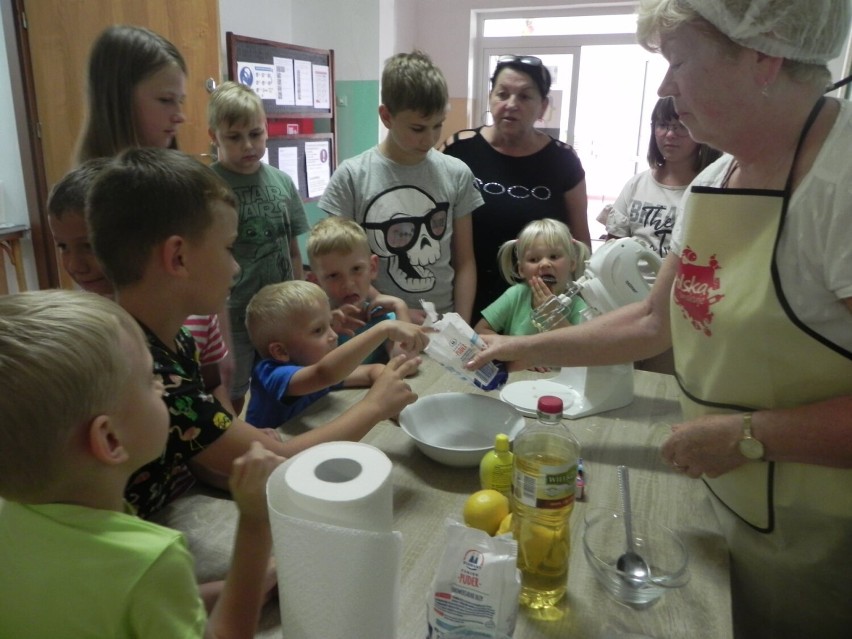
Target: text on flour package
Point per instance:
(476, 584)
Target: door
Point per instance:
(56, 41)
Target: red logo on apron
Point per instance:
(693, 290)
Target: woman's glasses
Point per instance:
(530, 60)
(674, 126)
(534, 68)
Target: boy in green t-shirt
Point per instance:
(82, 411)
(271, 215)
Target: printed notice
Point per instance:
(288, 161)
(284, 74)
(260, 77)
(304, 82)
(321, 87)
(318, 166)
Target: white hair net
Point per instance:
(805, 30)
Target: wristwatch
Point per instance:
(750, 447)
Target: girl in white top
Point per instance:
(648, 204)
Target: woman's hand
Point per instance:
(708, 445)
(501, 348)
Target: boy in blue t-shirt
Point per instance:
(290, 325)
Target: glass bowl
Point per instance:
(604, 541)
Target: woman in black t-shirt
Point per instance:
(522, 173)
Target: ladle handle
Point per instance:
(624, 489)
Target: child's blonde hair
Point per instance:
(62, 363)
(270, 310)
(233, 103)
(554, 233)
(336, 235)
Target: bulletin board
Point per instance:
(307, 159)
(296, 85)
(290, 79)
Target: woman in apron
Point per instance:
(756, 299)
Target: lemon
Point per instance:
(485, 509)
(505, 525)
(540, 547)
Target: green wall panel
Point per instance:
(357, 116)
(357, 131)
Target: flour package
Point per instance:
(454, 343)
(477, 584)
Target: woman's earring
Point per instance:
(765, 90)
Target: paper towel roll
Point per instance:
(331, 512)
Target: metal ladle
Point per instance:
(631, 567)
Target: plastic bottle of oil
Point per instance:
(545, 472)
(496, 467)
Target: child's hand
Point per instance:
(380, 306)
(247, 482)
(417, 315)
(346, 319)
(390, 393)
(410, 337)
(540, 291)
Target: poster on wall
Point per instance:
(304, 82)
(288, 161)
(286, 94)
(318, 166)
(260, 77)
(321, 87)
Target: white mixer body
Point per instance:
(616, 274)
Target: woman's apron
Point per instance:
(739, 347)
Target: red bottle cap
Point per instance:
(550, 404)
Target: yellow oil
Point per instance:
(543, 535)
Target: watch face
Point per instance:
(751, 448)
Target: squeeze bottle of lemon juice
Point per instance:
(545, 472)
(495, 469)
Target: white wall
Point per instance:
(265, 19)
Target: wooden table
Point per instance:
(425, 493)
(10, 244)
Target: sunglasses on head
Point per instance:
(531, 60)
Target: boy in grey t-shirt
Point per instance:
(413, 202)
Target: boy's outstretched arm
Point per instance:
(236, 612)
(388, 395)
(385, 399)
(389, 304)
(343, 360)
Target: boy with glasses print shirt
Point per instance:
(413, 202)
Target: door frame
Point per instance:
(32, 155)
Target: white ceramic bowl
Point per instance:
(457, 429)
